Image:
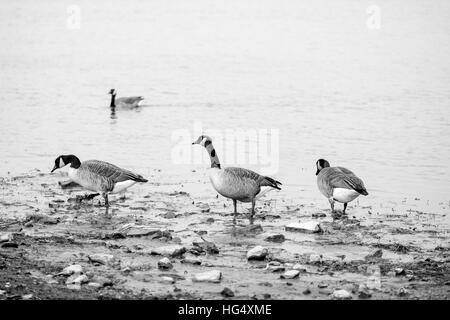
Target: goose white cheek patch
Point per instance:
(61, 163)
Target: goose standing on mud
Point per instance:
(98, 176)
(338, 184)
(130, 102)
(235, 183)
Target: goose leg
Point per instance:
(331, 200)
(105, 196)
(345, 207)
(235, 211)
(253, 211)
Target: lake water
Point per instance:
(373, 100)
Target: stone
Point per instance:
(257, 253)
(275, 237)
(74, 268)
(227, 292)
(402, 292)
(169, 251)
(102, 258)
(299, 267)
(318, 215)
(399, 271)
(364, 292)
(307, 291)
(6, 237)
(307, 227)
(315, 258)
(291, 274)
(375, 255)
(9, 245)
(165, 264)
(192, 261)
(167, 279)
(74, 287)
(322, 285)
(103, 281)
(202, 246)
(27, 296)
(342, 294)
(94, 285)
(77, 279)
(214, 276)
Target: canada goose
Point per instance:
(235, 183)
(130, 102)
(338, 184)
(97, 175)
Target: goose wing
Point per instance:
(249, 175)
(344, 178)
(111, 172)
(129, 100)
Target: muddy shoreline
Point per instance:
(378, 251)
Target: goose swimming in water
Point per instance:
(235, 183)
(338, 184)
(97, 175)
(130, 102)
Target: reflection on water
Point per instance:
(375, 101)
(113, 114)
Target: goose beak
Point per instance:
(317, 172)
(54, 168)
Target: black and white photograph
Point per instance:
(242, 150)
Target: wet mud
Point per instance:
(384, 250)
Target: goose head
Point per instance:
(202, 140)
(112, 91)
(320, 164)
(64, 160)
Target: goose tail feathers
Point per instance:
(271, 183)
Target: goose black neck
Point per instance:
(113, 100)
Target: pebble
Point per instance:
(167, 279)
(376, 255)
(402, 292)
(170, 251)
(318, 215)
(77, 279)
(227, 292)
(209, 276)
(74, 268)
(165, 264)
(342, 294)
(102, 281)
(299, 267)
(308, 227)
(257, 253)
(27, 296)
(314, 258)
(94, 284)
(6, 237)
(74, 287)
(102, 258)
(291, 274)
(193, 261)
(399, 271)
(9, 245)
(307, 291)
(202, 246)
(322, 285)
(275, 237)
